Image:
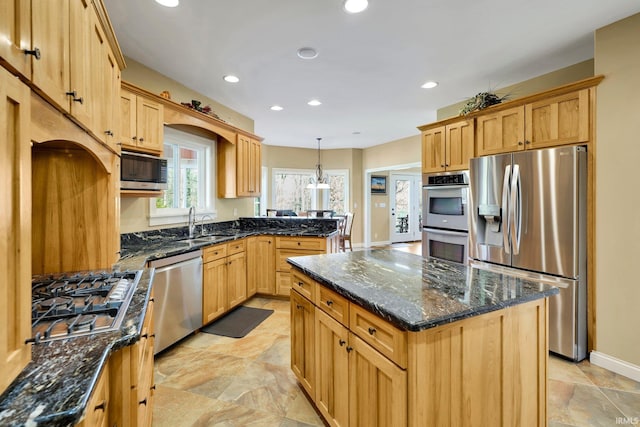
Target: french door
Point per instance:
(405, 203)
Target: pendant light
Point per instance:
(321, 183)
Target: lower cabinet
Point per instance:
(296, 246)
(350, 382)
(261, 265)
(224, 281)
(98, 406)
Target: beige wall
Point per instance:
(618, 199)
(154, 82)
(559, 77)
(400, 152)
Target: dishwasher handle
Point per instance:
(164, 262)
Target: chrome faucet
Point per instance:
(192, 222)
(202, 225)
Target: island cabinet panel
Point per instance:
(303, 341)
(558, 120)
(486, 370)
(15, 227)
(261, 265)
(500, 132)
(304, 285)
(332, 369)
(333, 304)
(377, 388)
(380, 334)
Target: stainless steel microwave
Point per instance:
(142, 172)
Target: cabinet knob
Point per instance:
(35, 52)
(446, 164)
(527, 142)
(349, 348)
(108, 133)
(153, 387)
(152, 299)
(329, 303)
(298, 306)
(143, 402)
(298, 243)
(300, 283)
(134, 138)
(74, 95)
(342, 342)
(372, 331)
(519, 142)
(441, 165)
(141, 139)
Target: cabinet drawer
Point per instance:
(283, 254)
(213, 253)
(236, 247)
(305, 243)
(380, 334)
(333, 304)
(303, 284)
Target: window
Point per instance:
(189, 178)
(290, 190)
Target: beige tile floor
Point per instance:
(209, 380)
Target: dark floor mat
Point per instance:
(238, 323)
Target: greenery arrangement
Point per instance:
(480, 102)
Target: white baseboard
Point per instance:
(383, 243)
(613, 364)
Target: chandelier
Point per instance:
(321, 182)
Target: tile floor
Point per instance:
(209, 380)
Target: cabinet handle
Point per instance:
(134, 138)
(527, 142)
(349, 348)
(153, 387)
(152, 299)
(329, 303)
(101, 406)
(108, 133)
(298, 306)
(74, 95)
(143, 402)
(372, 331)
(441, 165)
(35, 52)
(300, 283)
(519, 142)
(342, 342)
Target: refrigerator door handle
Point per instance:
(505, 209)
(515, 217)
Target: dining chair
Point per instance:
(345, 231)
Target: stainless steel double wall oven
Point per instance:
(445, 232)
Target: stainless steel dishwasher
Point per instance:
(177, 289)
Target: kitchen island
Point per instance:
(389, 338)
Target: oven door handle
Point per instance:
(445, 187)
(446, 232)
(506, 218)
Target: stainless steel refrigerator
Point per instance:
(527, 217)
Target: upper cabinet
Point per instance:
(67, 52)
(559, 116)
(248, 166)
(141, 123)
(15, 25)
(447, 148)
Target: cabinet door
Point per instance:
(15, 226)
(559, 120)
(303, 341)
(460, 145)
(261, 265)
(50, 33)
(500, 132)
(433, 150)
(80, 64)
(255, 168)
(97, 414)
(98, 60)
(332, 370)
(243, 147)
(127, 133)
(214, 289)
(377, 388)
(236, 279)
(15, 24)
(149, 122)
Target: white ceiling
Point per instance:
(370, 66)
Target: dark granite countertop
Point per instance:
(415, 293)
(54, 388)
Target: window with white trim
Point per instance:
(290, 190)
(337, 198)
(189, 178)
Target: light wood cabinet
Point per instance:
(303, 341)
(239, 167)
(15, 226)
(15, 25)
(500, 132)
(141, 123)
(449, 147)
(224, 281)
(261, 265)
(296, 246)
(98, 406)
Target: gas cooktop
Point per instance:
(65, 306)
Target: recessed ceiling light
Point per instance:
(168, 3)
(231, 79)
(276, 108)
(307, 53)
(357, 132)
(355, 6)
(314, 102)
(429, 85)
